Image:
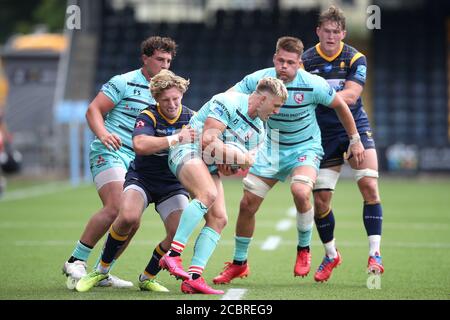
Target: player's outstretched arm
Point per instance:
(345, 116)
(144, 145)
(95, 113)
(351, 92)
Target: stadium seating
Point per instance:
(213, 56)
(409, 90)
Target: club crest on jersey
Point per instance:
(140, 124)
(298, 97)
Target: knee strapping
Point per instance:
(359, 174)
(303, 179)
(326, 179)
(256, 186)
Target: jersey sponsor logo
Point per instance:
(327, 67)
(140, 124)
(293, 115)
(302, 158)
(175, 157)
(166, 132)
(361, 73)
(315, 71)
(342, 65)
(100, 162)
(134, 109)
(218, 111)
(170, 131)
(112, 85)
(298, 97)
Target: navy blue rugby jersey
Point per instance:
(346, 65)
(152, 122)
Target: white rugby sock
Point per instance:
(374, 244)
(330, 249)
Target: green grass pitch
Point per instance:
(38, 233)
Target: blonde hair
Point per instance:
(165, 80)
(273, 86)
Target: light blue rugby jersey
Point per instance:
(231, 108)
(296, 121)
(131, 94)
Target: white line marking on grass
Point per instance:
(36, 191)
(40, 225)
(234, 294)
(45, 243)
(52, 243)
(284, 225)
(271, 243)
(292, 212)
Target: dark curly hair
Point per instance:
(149, 45)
